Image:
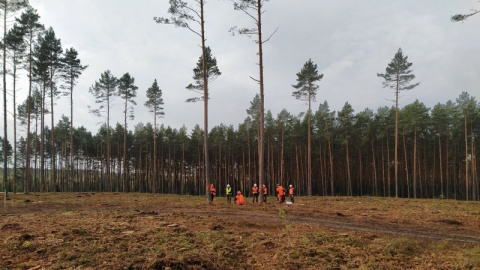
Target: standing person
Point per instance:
(212, 193)
(239, 199)
(280, 193)
(255, 193)
(228, 192)
(265, 193)
(290, 193)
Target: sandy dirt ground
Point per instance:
(151, 231)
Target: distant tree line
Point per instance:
(437, 154)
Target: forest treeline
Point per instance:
(352, 154)
(418, 153)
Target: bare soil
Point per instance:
(151, 231)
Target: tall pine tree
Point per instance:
(307, 88)
(398, 76)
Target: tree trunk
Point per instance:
(415, 164)
(332, 190)
(262, 96)
(466, 158)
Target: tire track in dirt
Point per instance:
(349, 225)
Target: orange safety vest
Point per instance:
(255, 190)
(280, 191)
(265, 191)
(213, 190)
(290, 191)
(240, 199)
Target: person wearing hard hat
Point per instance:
(290, 193)
(255, 193)
(228, 193)
(239, 199)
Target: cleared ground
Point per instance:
(151, 231)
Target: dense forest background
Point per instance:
(352, 152)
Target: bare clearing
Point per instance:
(151, 231)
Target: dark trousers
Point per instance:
(255, 197)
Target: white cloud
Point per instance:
(350, 41)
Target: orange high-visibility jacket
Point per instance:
(290, 191)
(280, 191)
(213, 190)
(265, 190)
(255, 190)
(240, 199)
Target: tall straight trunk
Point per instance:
(262, 96)
(383, 170)
(249, 157)
(72, 174)
(388, 167)
(42, 141)
(205, 98)
(415, 164)
(124, 175)
(14, 127)
(331, 166)
(474, 184)
(360, 169)
(54, 152)
(155, 188)
(309, 150)
(466, 158)
(440, 164)
(406, 164)
(28, 178)
(108, 150)
(5, 133)
(349, 177)
(297, 176)
(282, 155)
(322, 165)
(396, 138)
(447, 175)
(375, 178)
(35, 151)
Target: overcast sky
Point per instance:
(350, 41)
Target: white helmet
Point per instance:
(254, 185)
(290, 185)
(228, 185)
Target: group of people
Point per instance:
(240, 199)
(281, 193)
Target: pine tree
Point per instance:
(154, 104)
(184, 13)
(127, 90)
(254, 9)
(16, 49)
(212, 73)
(49, 55)
(7, 7)
(398, 76)
(29, 23)
(306, 91)
(105, 90)
(72, 69)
